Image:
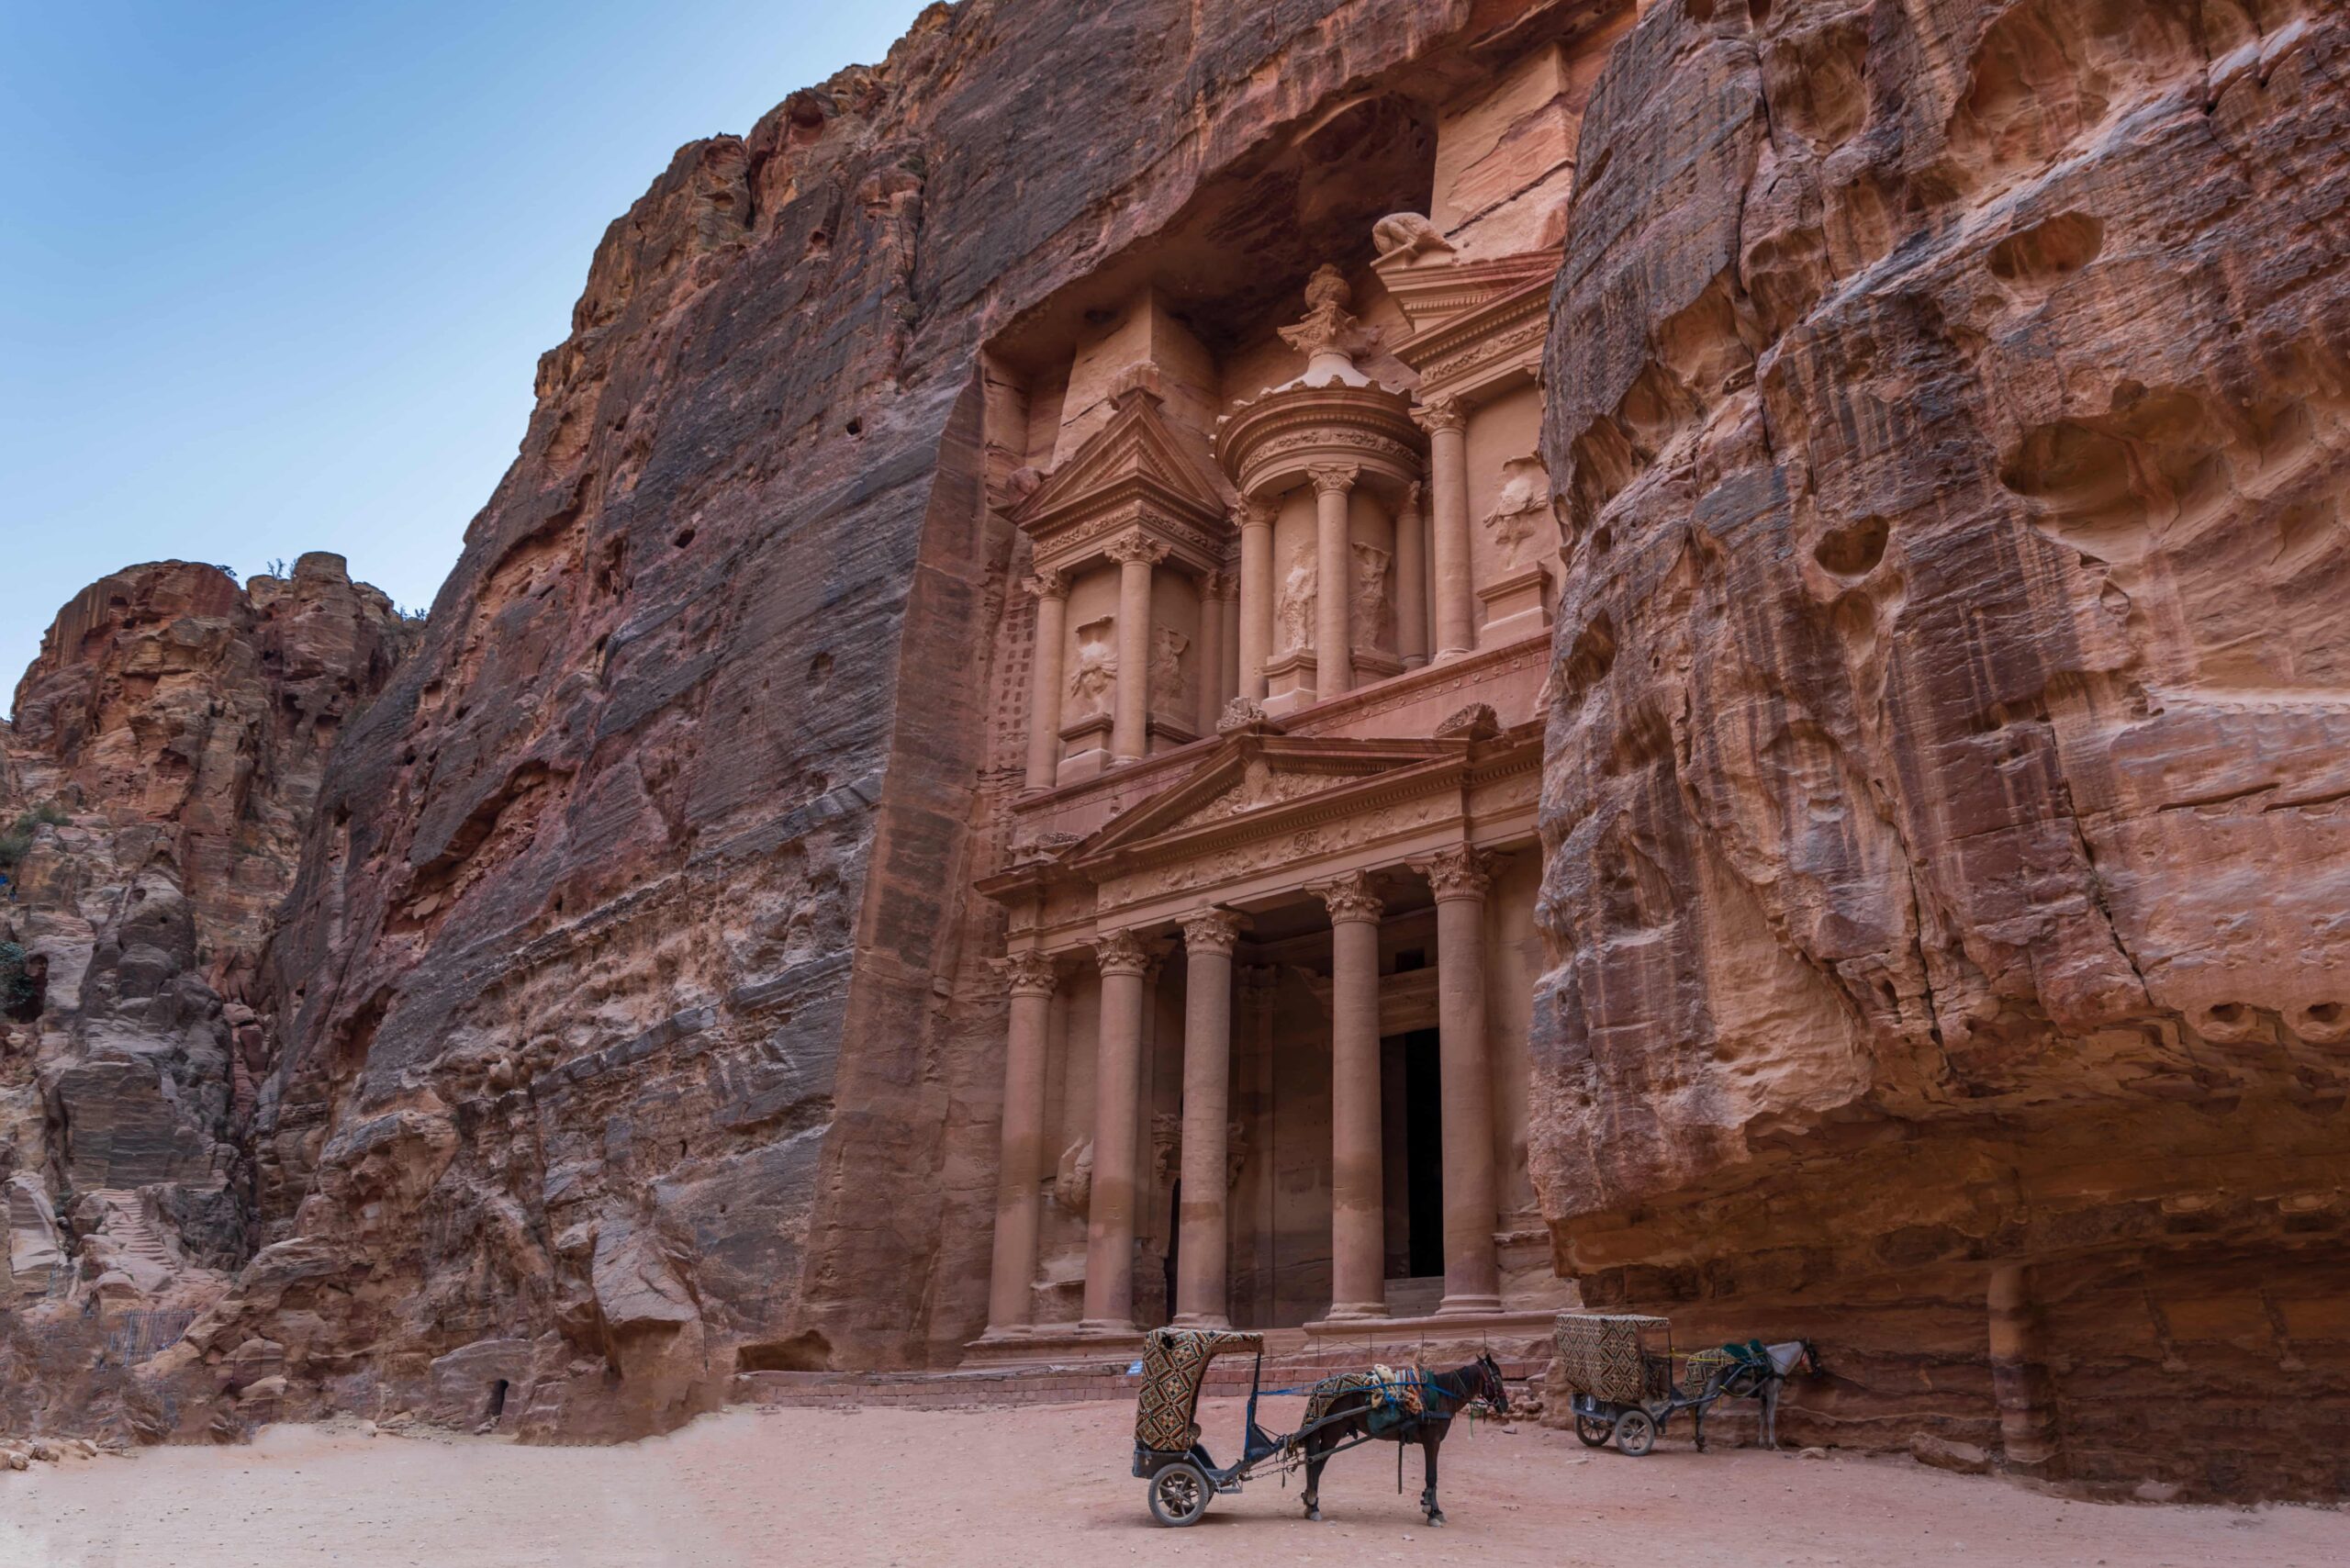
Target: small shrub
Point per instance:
(19, 837)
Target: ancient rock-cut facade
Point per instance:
(1271, 920)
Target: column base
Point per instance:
(1354, 1312)
(1216, 1320)
(1106, 1328)
(1004, 1333)
(1446, 656)
(1468, 1306)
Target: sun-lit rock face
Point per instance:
(1947, 856)
(167, 747)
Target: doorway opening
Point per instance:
(1423, 1152)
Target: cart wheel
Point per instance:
(1594, 1431)
(1636, 1433)
(1179, 1494)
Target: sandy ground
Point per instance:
(989, 1489)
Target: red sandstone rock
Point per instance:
(1951, 413)
(167, 746)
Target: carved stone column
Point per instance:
(1210, 650)
(1051, 589)
(1411, 581)
(1447, 424)
(1029, 977)
(1358, 1265)
(1254, 521)
(1334, 576)
(1471, 1274)
(1117, 1154)
(1202, 1255)
(1228, 655)
(1136, 554)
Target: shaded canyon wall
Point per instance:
(1948, 854)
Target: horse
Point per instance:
(1353, 1411)
(1761, 1381)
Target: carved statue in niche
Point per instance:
(1169, 689)
(1524, 499)
(1073, 1177)
(1096, 672)
(1294, 609)
(1408, 234)
(1371, 610)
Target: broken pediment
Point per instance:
(1143, 469)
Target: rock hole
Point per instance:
(855, 427)
(2226, 1012)
(2041, 257)
(685, 537)
(2323, 1012)
(498, 1399)
(1758, 11)
(820, 672)
(1852, 549)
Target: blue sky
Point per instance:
(275, 277)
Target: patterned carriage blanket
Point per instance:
(1395, 1396)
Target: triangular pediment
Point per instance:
(1139, 449)
(1254, 777)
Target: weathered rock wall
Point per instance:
(154, 785)
(632, 1013)
(1947, 850)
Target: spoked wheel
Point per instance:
(1594, 1430)
(1179, 1494)
(1636, 1433)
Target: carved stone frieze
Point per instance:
(1047, 585)
(1136, 545)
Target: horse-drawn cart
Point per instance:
(1618, 1369)
(1341, 1412)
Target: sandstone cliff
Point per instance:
(1947, 856)
(154, 785)
(632, 1005)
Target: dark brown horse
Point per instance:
(1355, 1413)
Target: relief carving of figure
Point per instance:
(1096, 672)
(1168, 686)
(1523, 501)
(1371, 609)
(1294, 609)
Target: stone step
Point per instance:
(1062, 1384)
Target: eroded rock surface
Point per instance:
(154, 784)
(1947, 851)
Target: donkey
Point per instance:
(1350, 1411)
(1761, 1381)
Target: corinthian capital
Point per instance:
(1247, 513)
(1349, 898)
(1214, 931)
(1121, 953)
(1047, 585)
(1028, 973)
(1136, 545)
(1329, 477)
(1444, 414)
(1460, 872)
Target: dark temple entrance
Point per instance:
(1413, 1137)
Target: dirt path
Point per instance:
(1049, 1487)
